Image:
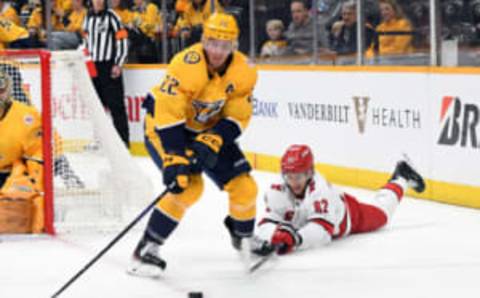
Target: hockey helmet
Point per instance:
(297, 159)
(221, 26)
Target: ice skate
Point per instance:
(236, 240)
(251, 249)
(146, 260)
(404, 169)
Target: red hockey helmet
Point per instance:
(297, 159)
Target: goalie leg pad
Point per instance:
(38, 220)
(15, 215)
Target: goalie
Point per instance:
(21, 166)
(304, 210)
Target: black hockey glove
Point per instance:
(175, 172)
(206, 147)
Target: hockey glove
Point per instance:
(206, 147)
(285, 239)
(175, 172)
(195, 166)
(261, 247)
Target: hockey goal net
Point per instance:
(91, 181)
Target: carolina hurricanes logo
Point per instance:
(288, 216)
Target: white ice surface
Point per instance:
(429, 250)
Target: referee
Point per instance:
(107, 43)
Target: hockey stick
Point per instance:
(260, 262)
(112, 243)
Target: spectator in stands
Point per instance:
(61, 8)
(299, 34)
(147, 24)
(35, 23)
(8, 12)
(70, 37)
(419, 15)
(27, 9)
(12, 36)
(125, 14)
(276, 45)
(475, 9)
(181, 6)
(189, 25)
(344, 32)
(394, 31)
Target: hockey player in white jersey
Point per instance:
(304, 210)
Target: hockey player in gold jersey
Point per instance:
(21, 166)
(194, 117)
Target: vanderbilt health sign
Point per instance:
(361, 119)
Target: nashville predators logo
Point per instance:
(192, 58)
(204, 111)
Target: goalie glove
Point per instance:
(175, 172)
(285, 239)
(206, 147)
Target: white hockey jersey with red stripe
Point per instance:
(325, 212)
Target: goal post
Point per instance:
(90, 179)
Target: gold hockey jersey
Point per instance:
(21, 135)
(192, 98)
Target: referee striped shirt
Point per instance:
(106, 38)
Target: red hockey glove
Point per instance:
(285, 239)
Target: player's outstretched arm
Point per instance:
(314, 234)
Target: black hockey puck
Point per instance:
(195, 295)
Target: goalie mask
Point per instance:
(5, 87)
(297, 168)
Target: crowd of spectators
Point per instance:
(282, 27)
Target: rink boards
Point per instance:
(359, 120)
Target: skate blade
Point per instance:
(144, 270)
(247, 257)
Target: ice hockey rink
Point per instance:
(428, 250)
